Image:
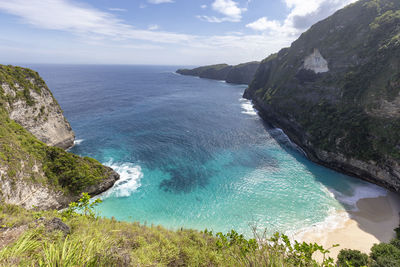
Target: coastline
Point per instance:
(372, 222)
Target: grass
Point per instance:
(94, 241)
(97, 241)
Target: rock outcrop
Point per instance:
(239, 74)
(335, 91)
(31, 104)
(33, 174)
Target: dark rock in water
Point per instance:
(335, 91)
(105, 184)
(185, 179)
(239, 74)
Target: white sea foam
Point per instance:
(335, 219)
(287, 140)
(359, 192)
(78, 142)
(247, 107)
(130, 175)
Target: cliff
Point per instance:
(31, 172)
(335, 91)
(31, 104)
(239, 74)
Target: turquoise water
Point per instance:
(193, 153)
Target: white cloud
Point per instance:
(97, 29)
(228, 8)
(263, 24)
(214, 19)
(302, 14)
(104, 38)
(93, 23)
(153, 27)
(203, 6)
(117, 9)
(159, 1)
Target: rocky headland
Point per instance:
(35, 170)
(335, 91)
(238, 74)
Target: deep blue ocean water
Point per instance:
(193, 153)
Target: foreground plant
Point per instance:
(84, 205)
(94, 241)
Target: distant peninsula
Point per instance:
(238, 74)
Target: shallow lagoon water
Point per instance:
(193, 153)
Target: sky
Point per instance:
(156, 32)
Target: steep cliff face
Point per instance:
(31, 104)
(242, 73)
(335, 91)
(239, 74)
(31, 172)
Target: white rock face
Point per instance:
(316, 62)
(28, 194)
(44, 119)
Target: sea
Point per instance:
(193, 153)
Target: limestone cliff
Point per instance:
(239, 74)
(31, 172)
(31, 104)
(335, 91)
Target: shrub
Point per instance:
(350, 257)
(84, 205)
(385, 255)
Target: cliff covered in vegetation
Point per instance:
(239, 74)
(335, 91)
(31, 172)
(29, 102)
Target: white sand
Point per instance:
(372, 223)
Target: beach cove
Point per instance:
(156, 128)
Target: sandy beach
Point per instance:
(372, 223)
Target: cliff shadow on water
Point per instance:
(335, 91)
(351, 193)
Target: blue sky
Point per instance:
(163, 32)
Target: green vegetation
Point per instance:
(25, 157)
(83, 205)
(382, 255)
(353, 258)
(19, 79)
(351, 110)
(63, 170)
(238, 74)
(94, 241)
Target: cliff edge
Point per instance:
(335, 91)
(31, 104)
(32, 173)
(239, 74)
